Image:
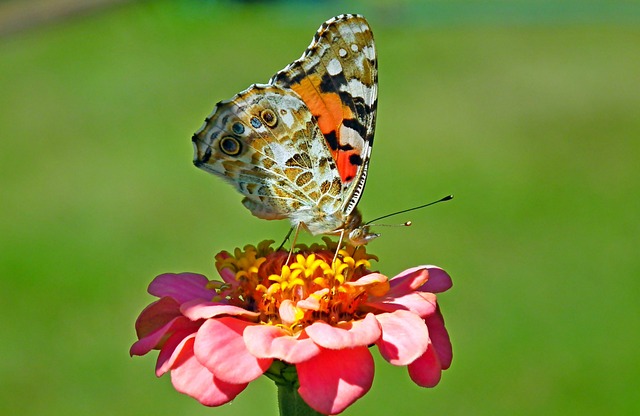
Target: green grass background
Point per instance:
(529, 112)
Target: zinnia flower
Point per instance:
(320, 316)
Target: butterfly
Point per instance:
(298, 147)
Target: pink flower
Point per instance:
(317, 315)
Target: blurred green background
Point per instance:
(529, 112)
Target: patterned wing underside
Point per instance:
(336, 77)
(272, 169)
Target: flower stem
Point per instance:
(291, 404)
(289, 401)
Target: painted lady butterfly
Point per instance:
(299, 146)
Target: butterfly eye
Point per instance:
(255, 122)
(269, 117)
(237, 128)
(230, 145)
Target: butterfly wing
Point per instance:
(266, 143)
(337, 78)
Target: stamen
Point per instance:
(315, 286)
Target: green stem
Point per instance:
(289, 401)
(291, 404)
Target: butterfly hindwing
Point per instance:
(265, 142)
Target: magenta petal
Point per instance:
(334, 379)
(156, 339)
(352, 334)
(439, 280)
(440, 338)
(156, 315)
(228, 276)
(181, 287)
(426, 370)
(404, 337)
(266, 341)
(220, 347)
(192, 378)
(204, 309)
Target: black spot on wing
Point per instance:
(205, 158)
(288, 76)
(355, 160)
(332, 139)
(330, 83)
(374, 107)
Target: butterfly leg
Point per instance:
(293, 243)
(335, 256)
(286, 239)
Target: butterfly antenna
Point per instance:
(408, 223)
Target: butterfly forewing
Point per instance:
(337, 79)
(279, 165)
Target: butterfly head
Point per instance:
(358, 233)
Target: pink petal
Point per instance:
(334, 379)
(420, 303)
(369, 279)
(172, 350)
(266, 341)
(204, 309)
(156, 315)
(347, 335)
(220, 347)
(287, 312)
(439, 280)
(405, 337)
(408, 281)
(312, 302)
(440, 338)
(181, 287)
(192, 378)
(425, 371)
(157, 338)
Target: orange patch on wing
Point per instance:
(347, 169)
(327, 107)
(329, 111)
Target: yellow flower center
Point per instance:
(311, 287)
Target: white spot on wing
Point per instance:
(358, 89)
(334, 67)
(369, 52)
(352, 137)
(287, 119)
